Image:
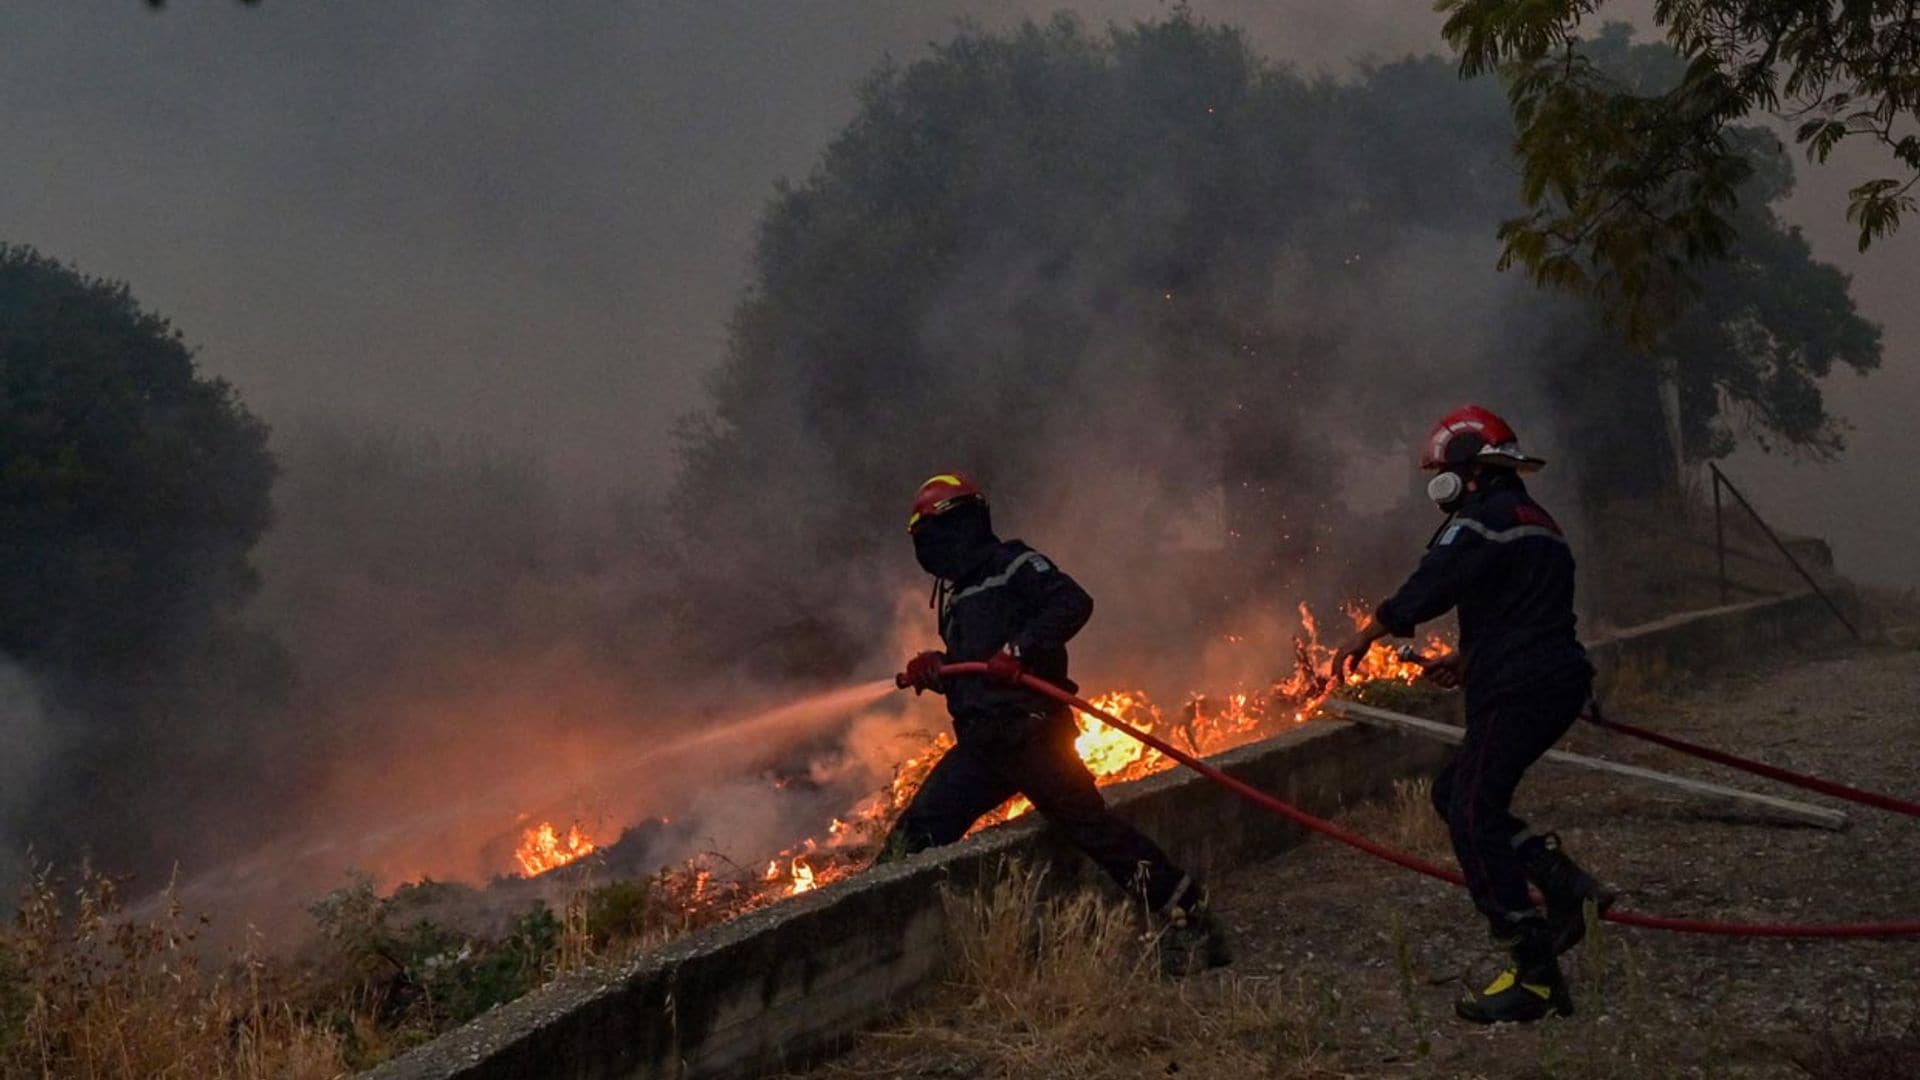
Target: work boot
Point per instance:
(1531, 989)
(1191, 941)
(1571, 892)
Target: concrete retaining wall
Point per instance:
(780, 987)
(1719, 637)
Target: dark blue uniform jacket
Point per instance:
(1017, 598)
(1505, 564)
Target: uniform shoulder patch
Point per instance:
(1448, 537)
(1039, 562)
(1527, 514)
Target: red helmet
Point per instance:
(1471, 434)
(942, 493)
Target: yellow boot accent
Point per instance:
(1506, 981)
(1510, 998)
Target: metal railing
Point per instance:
(1720, 545)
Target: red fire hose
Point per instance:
(1351, 839)
(1758, 768)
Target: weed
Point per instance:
(1406, 821)
(94, 992)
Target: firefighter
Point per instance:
(1008, 605)
(1504, 563)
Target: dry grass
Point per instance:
(89, 989)
(1067, 986)
(88, 992)
(1406, 821)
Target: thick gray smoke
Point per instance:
(479, 652)
(472, 270)
(1168, 302)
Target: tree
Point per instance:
(132, 489)
(1741, 351)
(1630, 181)
(1114, 273)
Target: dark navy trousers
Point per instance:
(976, 776)
(1507, 732)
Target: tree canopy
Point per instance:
(132, 487)
(1629, 181)
(1113, 270)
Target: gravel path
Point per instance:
(1386, 952)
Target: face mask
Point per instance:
(1445, 489)
(953, 543)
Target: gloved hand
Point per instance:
(1445, 672)
(1354, 650)
(1005, 667)
(923, 672)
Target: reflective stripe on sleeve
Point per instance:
(1000, 578)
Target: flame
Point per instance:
(543, 848)
(1210, 725)
(706, 889)
(1312, 679)
(1106, 750)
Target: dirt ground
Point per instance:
(1360, 962)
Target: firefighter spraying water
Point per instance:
(1002, 603)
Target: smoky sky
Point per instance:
(529, 223)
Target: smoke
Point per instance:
(472, 637)
(1160, 386)
(1187, 357)
(26, 735)
(473, 306)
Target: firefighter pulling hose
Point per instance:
(1502, 561)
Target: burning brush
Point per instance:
(711, 888)
(543, 848)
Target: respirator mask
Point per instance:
(1446, 489)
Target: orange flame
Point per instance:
(1205, 724)
(543, 848)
